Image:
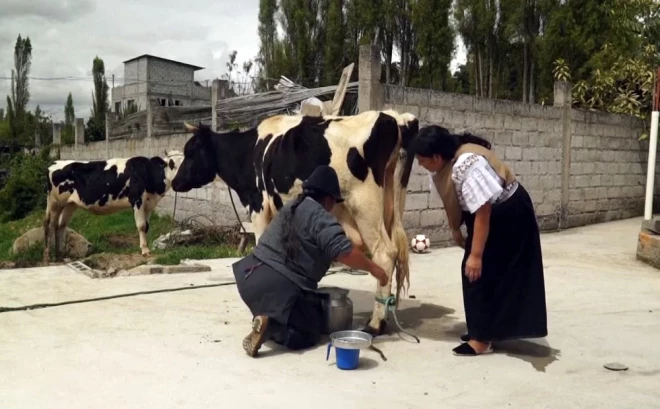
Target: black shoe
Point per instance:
(465, 338)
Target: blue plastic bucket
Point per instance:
(346, 358)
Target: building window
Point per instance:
(130, 103)
(117, 107)
(177, 103)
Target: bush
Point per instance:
(25, 186)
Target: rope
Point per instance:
(231, 197)
(390, 305)
(167, 246)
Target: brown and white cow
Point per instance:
(104, 187)
(267, 164)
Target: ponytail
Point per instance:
(469, 138)
(290, 237)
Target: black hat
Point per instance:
(324, 179)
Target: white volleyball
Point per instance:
(420, 243)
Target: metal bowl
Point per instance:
(351, 339)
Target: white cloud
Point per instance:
(66, 35)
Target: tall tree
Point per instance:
(20, 92)
(435, 41)
(69, 120)
(95, 129)
(333, 54)
(268, 40)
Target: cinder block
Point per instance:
(432, 217)
(417, 201)
(411, 219)
(530, 154)
(512, 123)
(513, 153)
(520, 139)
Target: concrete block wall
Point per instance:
(608, 168)
(606, 163)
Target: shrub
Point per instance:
(25, 186)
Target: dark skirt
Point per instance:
(295, 315)
(508, 300)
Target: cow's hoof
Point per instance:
(147, 254)
(373, 331)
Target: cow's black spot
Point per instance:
(96, 185)
(408, 133)
(356, 164)
(171, 164)
(295, 155)
(380, 145)
(277, 199)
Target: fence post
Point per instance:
(80, 132)
(563, 99)
(107, 135)
(369, 87)
(57, 134)
(215, 86)
(150, 120)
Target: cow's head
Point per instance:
(173, 160)
(199, 166)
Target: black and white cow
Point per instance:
(104, 187)
(267, 164)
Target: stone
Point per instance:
(76, 245)
(648, 248)
(178, 237)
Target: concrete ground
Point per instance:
(182, 349)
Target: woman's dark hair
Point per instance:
(290, 237)
(436, 140)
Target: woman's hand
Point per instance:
(458, 238)
(356, 259)
(380, 275)
(473, 268)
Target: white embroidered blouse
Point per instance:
(477, 182)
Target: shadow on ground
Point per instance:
(428, 322)
(435, 322)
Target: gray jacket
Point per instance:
(322, 240)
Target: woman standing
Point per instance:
(502, 268)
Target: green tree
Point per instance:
(68, 133)
(435, 41)
(333, 55)
(267, 30)
(20, 92)
(95, 128)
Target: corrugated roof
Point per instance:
(195, 67)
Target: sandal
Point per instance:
(465, 337)
(466, 349)
(253, 341)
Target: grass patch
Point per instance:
(110, 234)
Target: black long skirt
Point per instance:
(508, 300)
(296, 316)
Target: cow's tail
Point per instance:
(394, 217)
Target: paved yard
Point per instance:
(182, 349)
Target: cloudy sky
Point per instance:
(66, 35)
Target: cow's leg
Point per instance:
(62, 223)
(50, 225)
(142, 224)
(376, 239)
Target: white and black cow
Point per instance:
(267, 164)
(104, 187)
